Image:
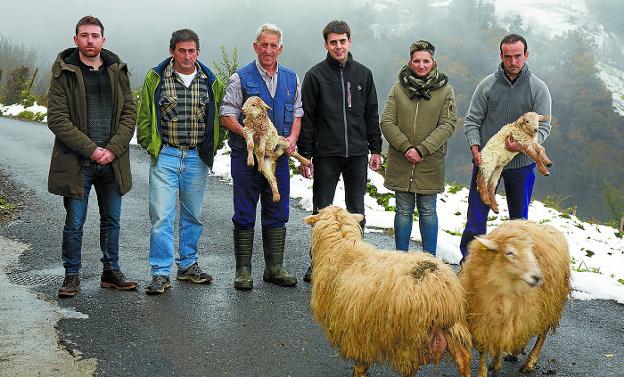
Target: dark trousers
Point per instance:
(327, 172)
(518, 190)
(109, 203)
(251, 186)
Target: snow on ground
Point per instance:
(614, 80)
(15, 110)
(597, 254)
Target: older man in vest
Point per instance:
(279, 87)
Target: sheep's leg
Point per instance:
(460, 354)
(532, 152)
(250, 148)
(260, 154)
(482, 187)
(360, 369)
(483, 370)
(496, 364)
(531, 361)
(541, 151)
(492, 184)
(269, 174)
(304, 161)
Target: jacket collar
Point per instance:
(69, 60)
(335, 63)
(160, 68)
(523, 76)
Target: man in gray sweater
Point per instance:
(501, 98)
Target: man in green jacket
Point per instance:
(178, 125)
(91, 111)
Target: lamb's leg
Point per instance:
(250, 147)
(482, 187)
(304, 161)
(534, 154)
(483, 370)
(260, 154)
(460, 353)
(492, 184)
(496, 364)
(269, 174)
(531, 361)
(360, 369)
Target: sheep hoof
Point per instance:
(512, 358)
(550, 165)
(546, 174)
(495, 210)
(527, 368)
(276, 197)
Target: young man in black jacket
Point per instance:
(340, 126)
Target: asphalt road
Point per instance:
(214, 330)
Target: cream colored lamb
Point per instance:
(495, 156)
(382, 306)
(517, 281)
(264, 142)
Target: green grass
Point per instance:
(382, 199)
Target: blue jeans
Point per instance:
(183, 174)
(109, 203)
(427, 220)
(518, 190)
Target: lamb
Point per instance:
(517, 281)
(264, 142)
(377, 306)
(494, 156)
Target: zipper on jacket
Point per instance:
(415, 119)
(344, 112)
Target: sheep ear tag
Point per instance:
(488, 244)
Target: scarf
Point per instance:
(420, 87)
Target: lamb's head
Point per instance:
(529, 122)
(336, 219)
(254, 107)
(510, 249)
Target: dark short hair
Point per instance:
(422, 45)
(90, 20)
(336, 27)
(511, 39)
(183, 35)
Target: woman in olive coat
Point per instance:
(418, 119)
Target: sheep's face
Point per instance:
(336, 219)
(254, 107)
(516, 256)
(529, 122)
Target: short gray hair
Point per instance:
(270, 28)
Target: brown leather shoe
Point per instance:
(71, 286)
(116, 279)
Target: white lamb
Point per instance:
(495, 156)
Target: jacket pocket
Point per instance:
(251, 89)
(168, 108)
(289, 113)
(202, 108)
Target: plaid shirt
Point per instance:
(182, 109)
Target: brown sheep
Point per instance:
(517, 281)
(378, 306)
(264, 142)
(495, 156)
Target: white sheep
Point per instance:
(495, 156)
(378, 306)
(517, 281)
(264, 142)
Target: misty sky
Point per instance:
(139, 30)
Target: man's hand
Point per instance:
(512, 145)
(375, 162)
(102, 156)
(412, 156)
(97, 154)
(476, 155)
(307, 171)
(292, 145)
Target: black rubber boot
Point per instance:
(243, 246)
(273, 240)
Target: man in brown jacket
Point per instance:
(91, 111)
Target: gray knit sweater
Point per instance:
(497, 101)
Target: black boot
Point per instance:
(243, 246)
(273, 240)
